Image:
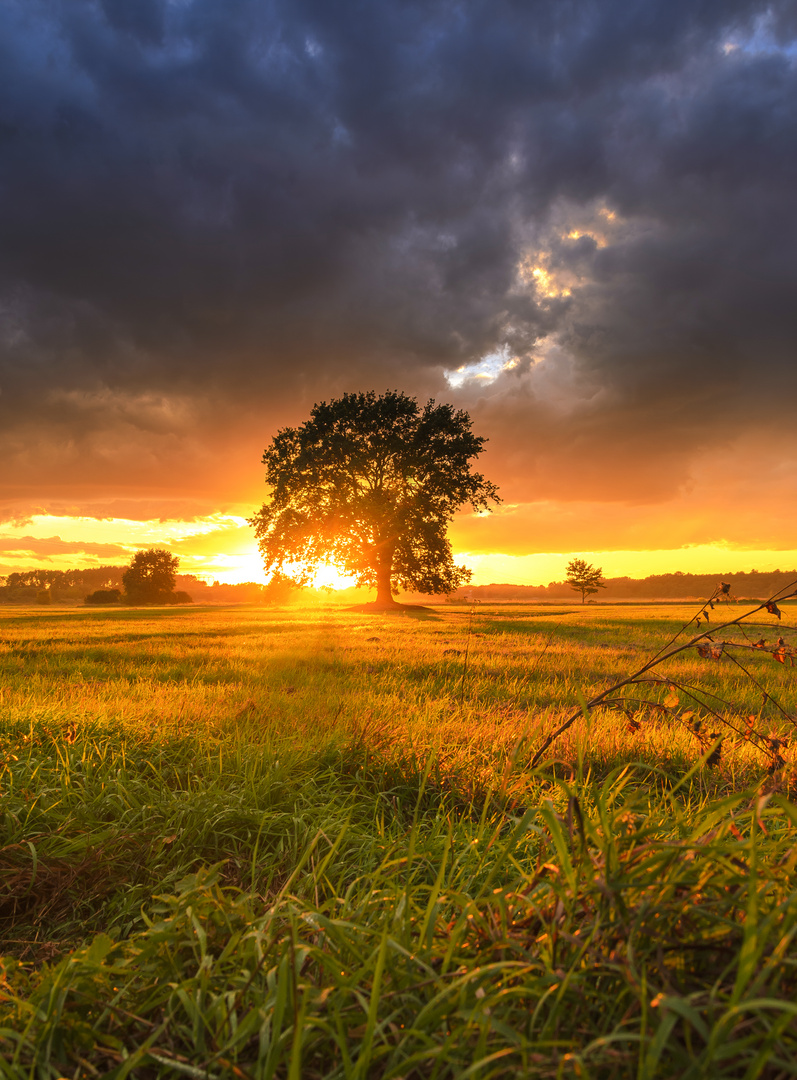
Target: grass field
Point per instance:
(307, 843)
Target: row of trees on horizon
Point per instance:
(74, 585)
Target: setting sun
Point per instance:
(249, 567)
(329, 576)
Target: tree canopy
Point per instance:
(584, 577)
(151, 577)
(370, 484)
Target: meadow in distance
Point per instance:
(264, 842)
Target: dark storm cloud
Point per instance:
(216, 210)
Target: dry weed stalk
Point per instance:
(710, 646)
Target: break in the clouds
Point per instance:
(575, 219)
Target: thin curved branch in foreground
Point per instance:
(706, 644)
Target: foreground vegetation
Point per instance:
(255, 844)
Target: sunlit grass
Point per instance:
(394, 893)
(459, 683)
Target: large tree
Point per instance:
(150, 578)
(369, 484)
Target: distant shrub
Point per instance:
(150, 577)
(104, 596)
(183, 598)
(43, 597)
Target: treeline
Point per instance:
(58, 586)
(754, 585)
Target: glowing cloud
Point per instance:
(483, 371)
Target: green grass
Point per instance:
(307, 843)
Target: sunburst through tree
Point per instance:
(370, 484)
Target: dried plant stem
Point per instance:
(467, 655)
(660, 657)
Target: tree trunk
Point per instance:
(384, 568)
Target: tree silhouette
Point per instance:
(150, 577)
(584, 577)
(370, 484)
(103, 596)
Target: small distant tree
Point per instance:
(150, 577)
(584, 578)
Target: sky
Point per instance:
(575, 220)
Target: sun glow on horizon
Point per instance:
(216, 547)
(249, 567)
(221, 547)
(492, 568)
(329, 576)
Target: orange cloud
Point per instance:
(44, 548)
